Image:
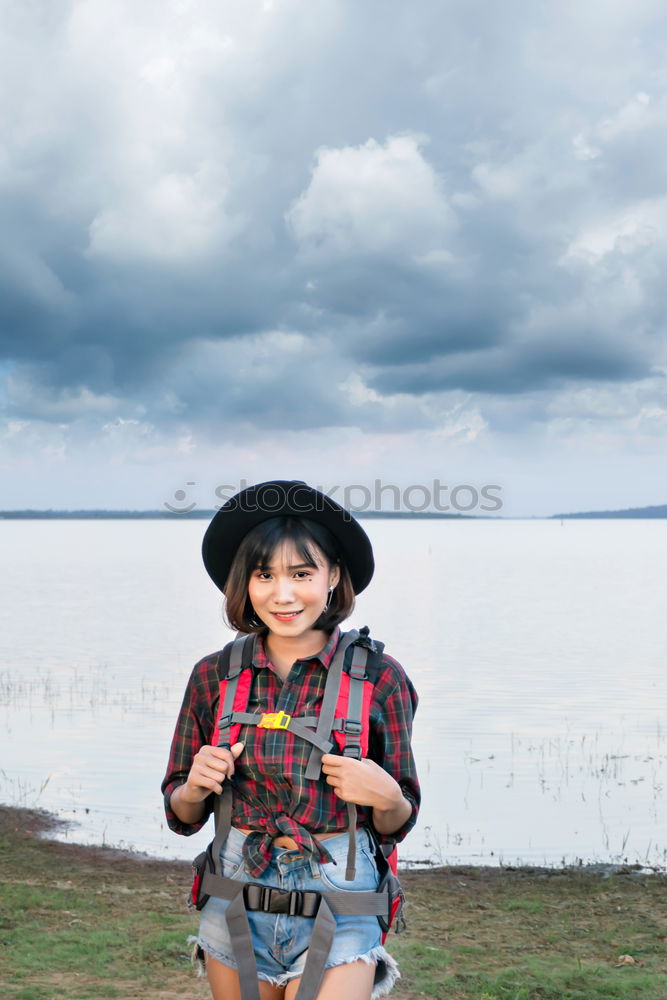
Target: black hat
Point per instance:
(284, 498)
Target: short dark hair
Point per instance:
(257, 549)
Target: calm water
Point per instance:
(538, 650)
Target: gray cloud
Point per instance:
(224, 214)
(506, 372)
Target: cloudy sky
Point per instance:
(345, 241)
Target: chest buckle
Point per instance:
(274, 720)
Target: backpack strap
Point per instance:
(352, 729)
(352, 725)
(352, 722)
(235, 683)
(329, 702)
(347, 694)
(222, 813)
(234, 692)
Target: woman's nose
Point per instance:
(284, 590)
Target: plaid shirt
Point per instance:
(271, 794)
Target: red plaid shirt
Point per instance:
(271, 794)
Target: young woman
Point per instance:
(289, 561)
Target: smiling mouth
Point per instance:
(285, 616)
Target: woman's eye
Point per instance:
(300, 574)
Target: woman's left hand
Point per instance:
(362, 782)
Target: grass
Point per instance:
(82, 923)
(532, 934)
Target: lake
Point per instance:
(537, 648)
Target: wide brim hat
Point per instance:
(284, 498)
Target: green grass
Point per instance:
(533, 935)
(85, 924)
(527, 905)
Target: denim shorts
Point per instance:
(281, 942)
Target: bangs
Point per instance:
(264, 548)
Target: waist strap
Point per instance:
(296, 902)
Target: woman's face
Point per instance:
(289, 595)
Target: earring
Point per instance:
(326, 606)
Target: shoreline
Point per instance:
(40, 823)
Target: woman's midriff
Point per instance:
(289, 842)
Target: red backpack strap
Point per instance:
(354, 727)
(351, 727)
(351, 718)
(235, 683)
(330, 702)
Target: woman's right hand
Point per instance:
(209, 769)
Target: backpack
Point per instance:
(345, 717)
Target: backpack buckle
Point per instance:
(271, 899)
(274, 720)
(350, 727)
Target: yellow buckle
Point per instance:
(274, 720)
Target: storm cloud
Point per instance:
(366, 215)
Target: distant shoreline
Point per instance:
(88, 515)
(632, 513)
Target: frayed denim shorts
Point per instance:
(280, 941)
